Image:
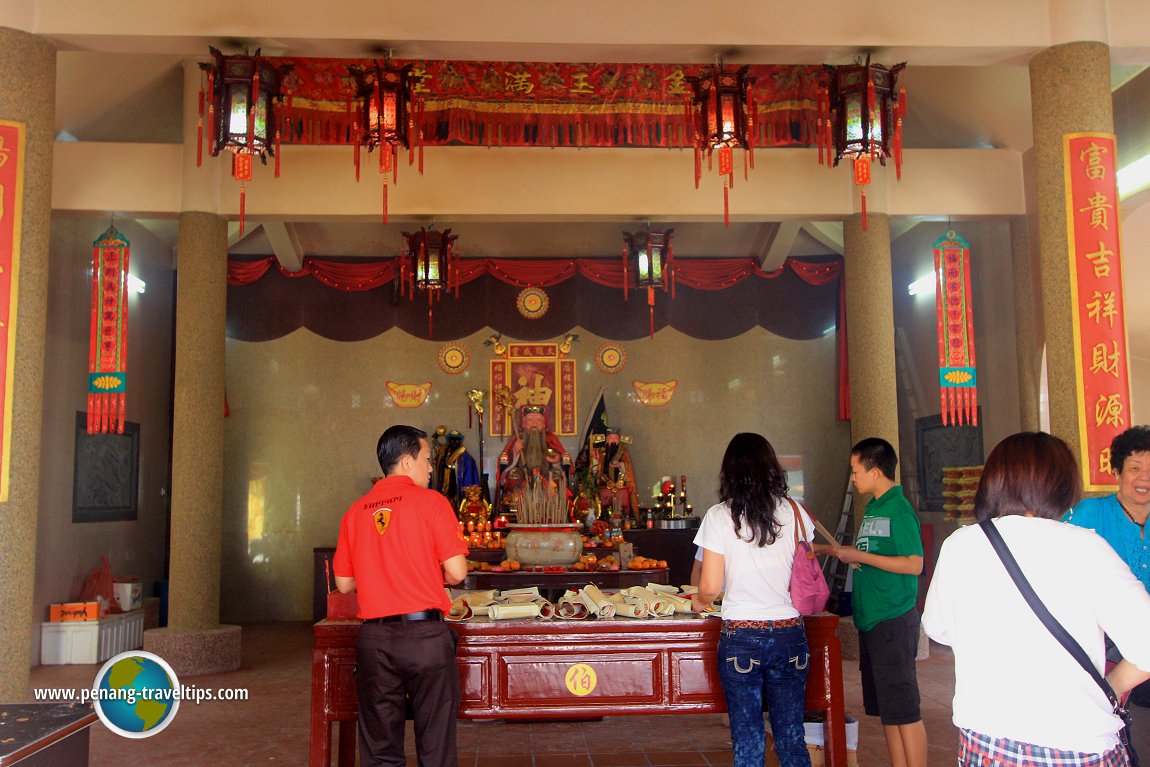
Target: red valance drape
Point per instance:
(516, 103)
(701, 274)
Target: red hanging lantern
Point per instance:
(243, 116)
(108, 347)
(386, 117)
(429, 263)
(653, 260)
(722, 116)
(860, 117)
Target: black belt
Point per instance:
(424, 615)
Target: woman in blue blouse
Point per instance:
(1121, 518)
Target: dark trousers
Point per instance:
(418, 659)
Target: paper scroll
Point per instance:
(597, 604)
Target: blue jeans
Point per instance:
(754, 663)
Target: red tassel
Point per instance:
(123, 413)
(698, 166)
(651, 315)
(278, 148)
(974, 404)
(864, 209)
(385, 199)
(200, 128)
(243, 202)
(898, 149)
(671, 268)
(942, 406)
(469, 418)
(626, 274)
(355, 151)
(727, 205)
(252, 108)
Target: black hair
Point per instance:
(1136, 439)
(876, 453)
(397, 442)
(753, 484)
(1028, 473)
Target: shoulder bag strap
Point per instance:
(815, 520)
(1049, 621)
(799, 526)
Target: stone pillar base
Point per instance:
(196, 652)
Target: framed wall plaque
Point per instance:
(105, 484)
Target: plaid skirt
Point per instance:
(978, 750)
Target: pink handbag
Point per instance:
(809, 590)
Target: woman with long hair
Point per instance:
(748, 543)
(1020, 698)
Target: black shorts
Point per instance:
(887, 664)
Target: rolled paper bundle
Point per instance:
(518, 599)
(460, 611)
(482, 611)
(658, 608)
(531, 591)
(546, 609)
(596, 602)
(474, 598)
(662, 588)
(636, 610)
(505, 612)
(681, 605)
(572, 610)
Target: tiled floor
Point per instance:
(271, 727)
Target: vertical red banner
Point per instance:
(1100, 363)
(11, 211)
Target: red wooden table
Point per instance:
(533, 669)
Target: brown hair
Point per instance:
(1028, 473)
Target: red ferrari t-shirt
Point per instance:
(393, 541)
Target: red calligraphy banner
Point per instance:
(1100, 363)
(516, 103)
(11, 211)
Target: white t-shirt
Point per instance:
(1012, 678)
(757, 579)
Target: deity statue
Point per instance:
(532, 457)
(613, 471)
(473, 508)
(435, 442)
(455, 469)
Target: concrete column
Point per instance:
(1070, 93)
(1026, 327)
(195, 642)
(28, 96)
(870, 331)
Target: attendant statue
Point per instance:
(455, 469)
(435, 442)
(614, 473)
(473, 507)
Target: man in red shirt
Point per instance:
(397, 546)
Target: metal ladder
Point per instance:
(835, 571)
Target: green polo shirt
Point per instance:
(890, 529)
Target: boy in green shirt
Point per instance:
(888, 554)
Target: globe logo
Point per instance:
(136, 694)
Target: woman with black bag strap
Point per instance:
(1020, 697)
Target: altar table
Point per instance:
(533, 669)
